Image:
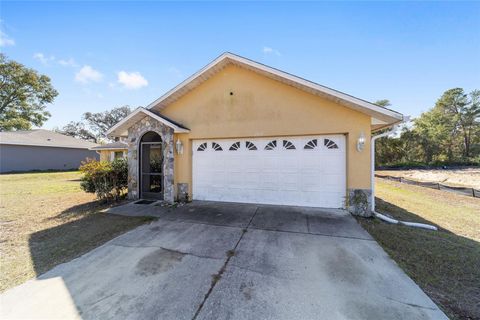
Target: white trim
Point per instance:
(325, 90)
(175, 128)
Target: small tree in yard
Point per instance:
(108, 180)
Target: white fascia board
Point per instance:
(325, 90)
(176, 128)
(376, 121)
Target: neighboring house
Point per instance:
(241, 131)
(112, 151)
(42, 150)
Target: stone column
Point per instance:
(359, 202)
(135, 134)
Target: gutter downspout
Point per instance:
(372, 157)
(372, 180)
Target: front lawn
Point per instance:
(444, 263)
(46, 219)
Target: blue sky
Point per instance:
(100, 55)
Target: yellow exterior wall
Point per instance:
(262, 107)
(106, 155)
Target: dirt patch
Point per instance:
(468, 177)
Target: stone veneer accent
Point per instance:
(359, 202)
(135, 133)
(182, 192)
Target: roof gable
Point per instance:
(121, 128)
(380, 116)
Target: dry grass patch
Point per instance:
(443, 263)
(462, 177)
(46, 219)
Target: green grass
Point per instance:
(444, 263)
(46, 219)
(40, 183)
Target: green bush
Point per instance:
(108, 180)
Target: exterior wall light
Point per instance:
(179, 146)
(361, 142)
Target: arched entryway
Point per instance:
(151, 166)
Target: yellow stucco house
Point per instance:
(240, 131)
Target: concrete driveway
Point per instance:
(211, 260)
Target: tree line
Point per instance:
(446, 134)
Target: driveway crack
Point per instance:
(270, 275)
(411, 304)
(170, 250)
(312, 234)
(216, 277)
(100, 300)
(308, 223)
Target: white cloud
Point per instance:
(68, 62)
(132, 80)
(43, 58)
(5, 40)
(88, 74)
(268, 50)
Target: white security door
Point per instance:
(301, 171)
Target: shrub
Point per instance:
(108, 180)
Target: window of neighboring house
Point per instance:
(117, 155)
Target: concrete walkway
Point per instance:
(210, 260)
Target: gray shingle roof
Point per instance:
(43, 138)
(110, 146)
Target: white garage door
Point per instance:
(302, 171)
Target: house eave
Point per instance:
(377, 113)
(121, 128)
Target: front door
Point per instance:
(151, 167)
